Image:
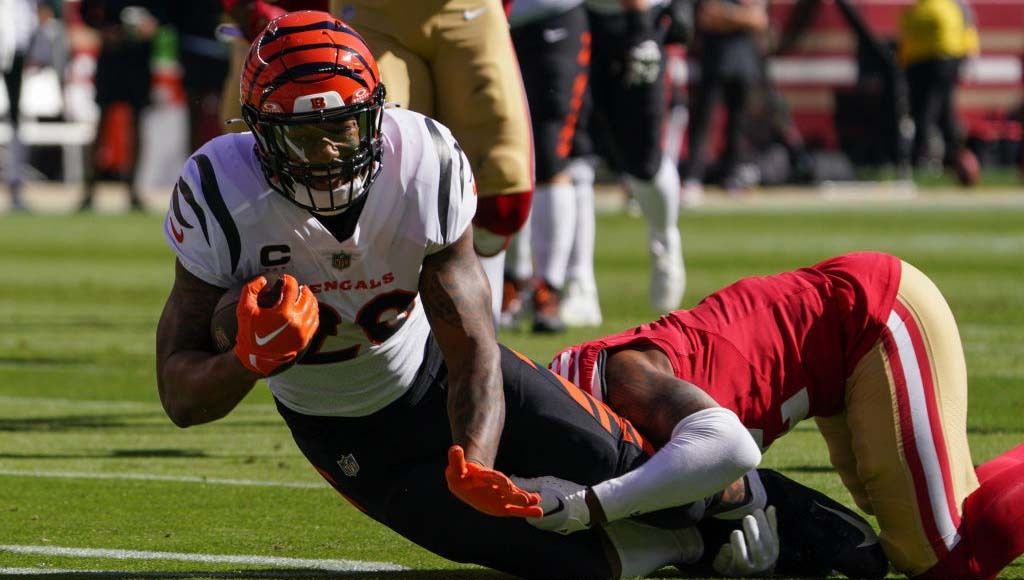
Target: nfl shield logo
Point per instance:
(349, 466)
(341, 260)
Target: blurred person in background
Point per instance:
(552, 40)
(123, 78)
(731, 64)
(454, 61)
(204, 61)
(49, 46)
(18, 23)
(936, 36)
(548, 38)
(629, 102)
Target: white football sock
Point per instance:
(659, 203)
(552, 226)
(581, 261)
(659, 199)
(519, 258)
(494, 267)
(675, 130)
(643, 549)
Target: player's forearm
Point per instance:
(476, 403)
(708, 451)
(197, 387)
(457, 301)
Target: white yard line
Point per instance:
(75, 403)
(153, 477)
(70, 573)
(50, 402)
(304, 563)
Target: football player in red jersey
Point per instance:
(864, 343)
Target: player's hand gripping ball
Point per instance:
(269, 326)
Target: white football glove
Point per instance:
(564, 503)
(752, 551)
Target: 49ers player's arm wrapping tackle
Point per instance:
(865, 344)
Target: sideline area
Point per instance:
(55, 197)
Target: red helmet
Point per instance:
(312, 96)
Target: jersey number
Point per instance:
(793, 410)
(369, 319)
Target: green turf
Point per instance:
(80, 297)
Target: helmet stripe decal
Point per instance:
(295, 49)
(296, 74)
(366, 65)
(334, 25)
(214, 199)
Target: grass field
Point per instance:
(96, 482)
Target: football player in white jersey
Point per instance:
(402, 394)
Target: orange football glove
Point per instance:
(270, 339)
(488, 490)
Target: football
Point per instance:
(224, 322)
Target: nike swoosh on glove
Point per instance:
(270, 339)
(753, 550)
(488, 490)
(564, 503)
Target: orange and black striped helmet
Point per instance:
(312, 96)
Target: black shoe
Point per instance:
(546, 317)
(818, 534)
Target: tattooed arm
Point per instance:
(196, 386)
(457, 300)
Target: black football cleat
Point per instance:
(818, 534)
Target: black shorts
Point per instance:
(626, 122)
(391, 465)
(554, 57)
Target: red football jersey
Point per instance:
(773, 349)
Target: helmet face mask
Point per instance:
(312, 98)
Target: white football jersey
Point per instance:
(227, 225)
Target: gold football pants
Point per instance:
(901, 444)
